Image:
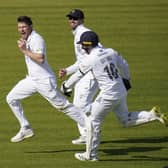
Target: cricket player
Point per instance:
(106, 66)
(40, 78)
(86, 88)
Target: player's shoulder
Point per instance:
(102, 53)
(81, 29)
(110, 50)
(36, 36)
(101, 50)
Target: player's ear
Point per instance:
(81, 21)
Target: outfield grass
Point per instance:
(138, 30)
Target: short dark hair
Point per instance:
(25, 19)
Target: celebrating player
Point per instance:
(40, 79)
(107, 66)
(86, 88)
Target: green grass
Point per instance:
(138, 30)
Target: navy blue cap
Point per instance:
(89, 38)
(76, 13)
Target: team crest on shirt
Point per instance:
(39, 50)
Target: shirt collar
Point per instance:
(28, 39)
(77, 28)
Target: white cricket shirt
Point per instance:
(105, 65)
(35, 43)
(79, 52)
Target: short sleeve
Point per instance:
(37, 45)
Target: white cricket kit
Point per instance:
(36, 44)
(40, 79)
(79, 52)
(103, 63)
(108, 68)
(85, 89)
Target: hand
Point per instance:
(22, 45)
(127, 84)
(66, 91)
(62, 73)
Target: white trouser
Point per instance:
(100, 108)
(84, 92)
(47, 88)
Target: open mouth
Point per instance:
(23, 33)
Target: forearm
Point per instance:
(73, 79)
(39, 58)
(72, 68)
(124, 67)
(69, 70)
(125, 71)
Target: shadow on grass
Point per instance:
(120, 151)
(126, 151)
(140, 150)
(116, 152)
(55, 151)
(139, 158)
(140, 140)
(123, 151)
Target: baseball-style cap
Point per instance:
(89, 38)
(76, 13)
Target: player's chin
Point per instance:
(73, 26)
(24, 36)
